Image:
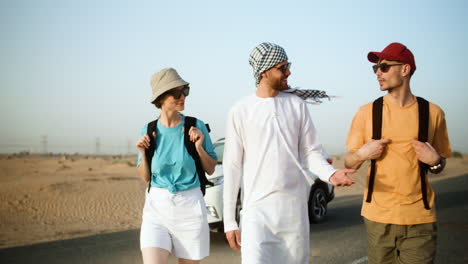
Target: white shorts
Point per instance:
(176, 222)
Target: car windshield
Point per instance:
(219, 149)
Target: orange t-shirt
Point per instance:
(397, 196)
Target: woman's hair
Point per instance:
(158, 101)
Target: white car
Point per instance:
(321, 193)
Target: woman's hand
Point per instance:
(144, 142)
(196, 136)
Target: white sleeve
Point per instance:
(232, 167)
(310, 149)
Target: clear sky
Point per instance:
(75, 74)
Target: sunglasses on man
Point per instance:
(284, 68)
(178, 92)
(384, 67)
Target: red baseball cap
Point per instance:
(394, 52)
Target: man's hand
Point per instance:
(372, 149)
(369, 151)
(234, 239)
(340, 177)
(426, 153)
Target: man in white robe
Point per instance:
(270, 144)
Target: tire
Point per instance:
(317, 205)
(218, 227)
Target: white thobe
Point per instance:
(271, 145)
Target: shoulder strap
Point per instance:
(377, 107)
(149, 152)
(191, 122)
(423, 110)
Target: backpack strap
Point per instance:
(377, 107)
(191, 122)
(149, 152)
(423, 109)
(423, 112)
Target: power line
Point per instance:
(44, 145)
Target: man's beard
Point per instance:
(279, 85)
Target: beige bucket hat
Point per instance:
(165, 80)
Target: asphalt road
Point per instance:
(341, 239)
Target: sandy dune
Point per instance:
(49, 198)
(45, 198)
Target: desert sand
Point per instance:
(55, 197)
(45, 198)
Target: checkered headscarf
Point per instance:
(310, 96)
(264, 57)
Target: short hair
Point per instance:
(158, 101)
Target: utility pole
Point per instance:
(44, 144)
(129, 146)
(98, 145)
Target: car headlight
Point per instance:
(217, 181)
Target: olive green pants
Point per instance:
(405, 244)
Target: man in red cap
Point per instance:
(404, 136)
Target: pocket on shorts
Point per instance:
(194, 203)
(203, 209)
(148, 207)
(190, 216)
(429, 229)
(197, 207)
(155, 206)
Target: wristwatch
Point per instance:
(436, 167)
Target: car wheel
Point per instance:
(317, 205)
(218, 227)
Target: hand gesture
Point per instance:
(426, 153)
(144, 142)
(372, 149)
(234, 239)
(196, 136)
(340, 177)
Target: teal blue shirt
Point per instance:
(172, 166)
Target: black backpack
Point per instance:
(423, 109)
(189, 122)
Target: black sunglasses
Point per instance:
(284, 67)
(177, 92)
(384, 67)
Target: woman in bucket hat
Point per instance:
(174, 214)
